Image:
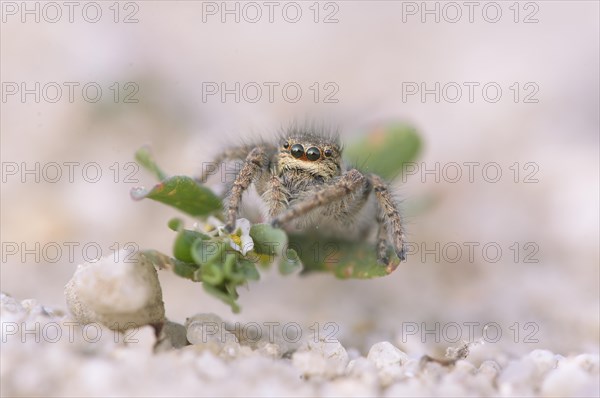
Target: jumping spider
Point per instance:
(304, 179)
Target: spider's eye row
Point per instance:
(313, 153)
(286, 145)
(297, 151)
(328, 152)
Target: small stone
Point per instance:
(569, 380)
(388, 359)
(11, 310)
(35, 311)
(270, 350)
(231, 349)
(172, 335)
(120, 295)
(386, 354)
(544, 360)
(517, 378)
(489, 369)
(324, 358)
(588, 362)
(363, 370)
(9, 304)
(204, 329)
(207, 332)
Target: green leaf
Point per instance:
(268, 240)
(187, 270)
(345, 259)
(248, 270)
(144, 158)
(289, 262)
(208, 251)
(224, 296)
(182, 193)
(182, 248)
(212, 273)
(175, 224)
(385, 151)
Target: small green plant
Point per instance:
(222, 262)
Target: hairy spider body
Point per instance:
(306, 185)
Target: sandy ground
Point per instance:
(539, 292)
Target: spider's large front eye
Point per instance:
(297, 151)
(313, 153)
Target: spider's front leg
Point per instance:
(240, 152)
(391, 215)
(256, 162)
(382, 244)
(348, 184)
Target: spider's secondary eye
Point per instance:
(286, 145)
(297, 151)
(313, 153)
(328, 152)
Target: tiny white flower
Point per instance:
(240, 239)
(212, 227)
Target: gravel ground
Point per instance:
(116, 341)
(70, 360)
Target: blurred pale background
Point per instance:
(168, 54)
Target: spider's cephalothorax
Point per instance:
(305, 184)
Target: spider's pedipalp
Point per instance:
(346, 185)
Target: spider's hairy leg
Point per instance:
(346, 185)
(256, 162)
(382, 244)
(276, 195)
(235, 153)
(391, 215)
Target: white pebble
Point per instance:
(386, 354)
(569, 380)
(588, 362)
(121, 295)
(205, 329)
(324, 358)
(11, 311)
(363, 370)
(544, 360)
(270, 350)
(388, 359)
(489, 369)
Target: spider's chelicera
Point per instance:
(305, 184)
